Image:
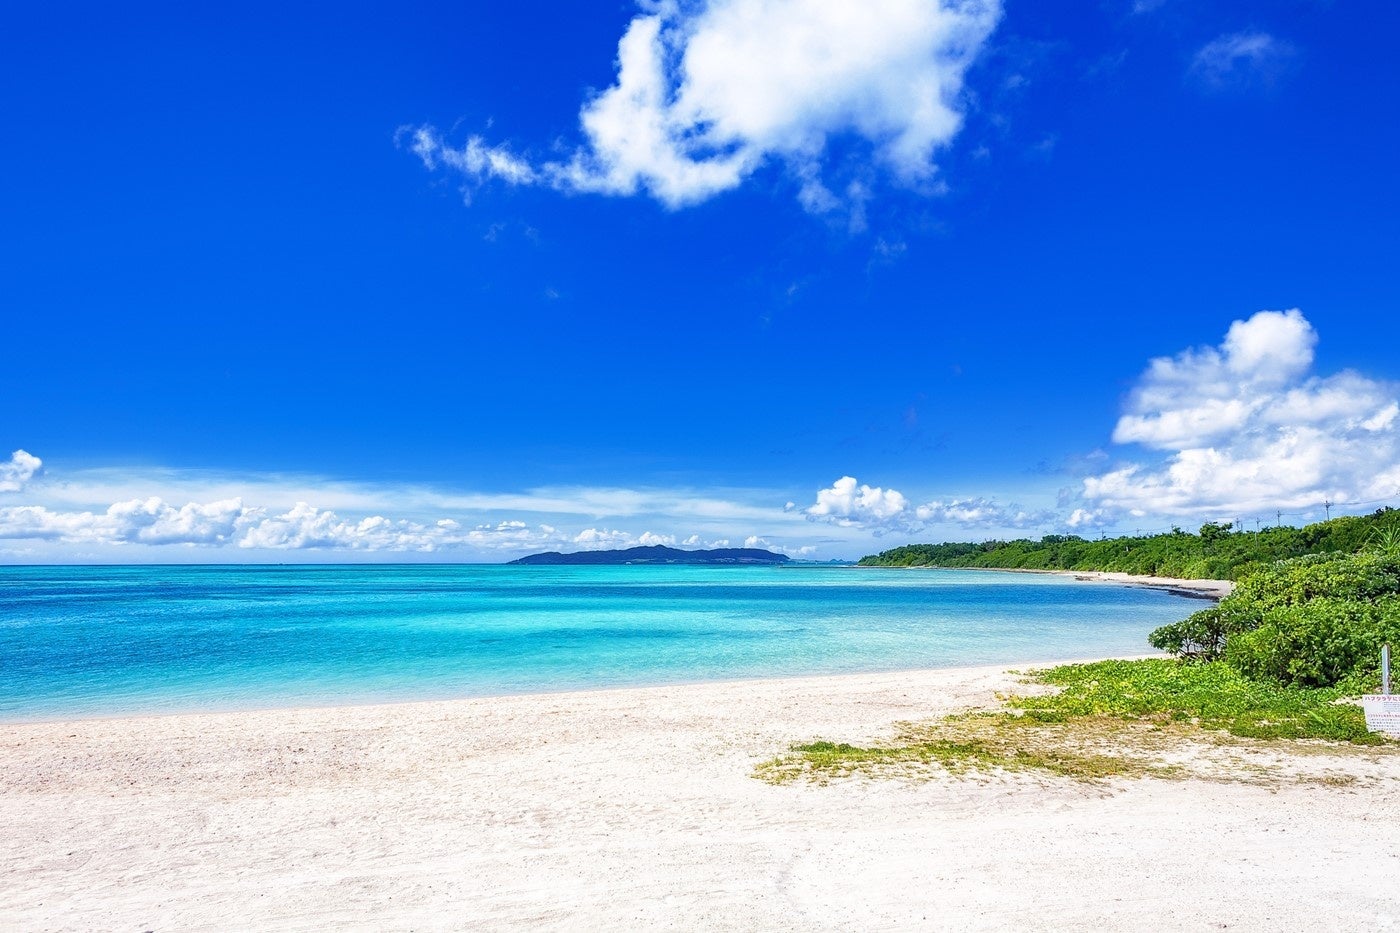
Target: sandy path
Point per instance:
(636, 809)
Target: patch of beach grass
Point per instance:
(1211, 696)
(1111, 719)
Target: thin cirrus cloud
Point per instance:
(708, 93)
(1248, 425)
(1241, 59)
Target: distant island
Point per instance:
(659, 554)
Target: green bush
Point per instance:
(1321, 643)
(1365, 576)
(1200, 637)
(1314, 621)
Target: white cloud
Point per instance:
(152, 521)
(477, 160)
(756, 541)
(506, 536)
(850, 504)
(980, 513)
(18, 470)
(699, 542)
(1088, 518)
(136, 521)
(598, 539)
(1241, 58)
(706, 93)
(1248, 426)
(307, 527)
(84, 514)
(602, 539)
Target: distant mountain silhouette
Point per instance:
(658, 554)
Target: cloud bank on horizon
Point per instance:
(708, 93)
(1239, 428)
(59, 516)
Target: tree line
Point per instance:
(1218, 551)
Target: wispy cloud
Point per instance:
(1241, 59)
(1248, 425)
(707, 93)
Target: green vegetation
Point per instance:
(1211, 696)
(1216, 552)
(1109, 719)
(1314, 621)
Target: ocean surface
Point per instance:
(103, 641)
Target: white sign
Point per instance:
(1382, 713)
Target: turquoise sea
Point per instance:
(100, 641)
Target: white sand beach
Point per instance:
(1214, 589)
(1208, 589)
(637, 809)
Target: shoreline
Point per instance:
(1181, 586)
(563, 692)
(636, 807)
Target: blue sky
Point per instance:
(466, 281)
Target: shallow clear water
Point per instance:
(84, 641)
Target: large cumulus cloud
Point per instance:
(1248, 425)
(708, 92)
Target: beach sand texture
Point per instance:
(636, 809)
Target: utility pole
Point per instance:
(1327, 504)
(1256, 524)
(1278, 520)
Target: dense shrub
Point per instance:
(1200, 637)
(1365, 576)
(1313, 621)
(1320, 643)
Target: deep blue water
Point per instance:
(85, 641)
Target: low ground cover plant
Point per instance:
(1109, 719)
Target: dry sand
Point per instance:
(636, 809)
(1184, 586)
(1211, 589)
